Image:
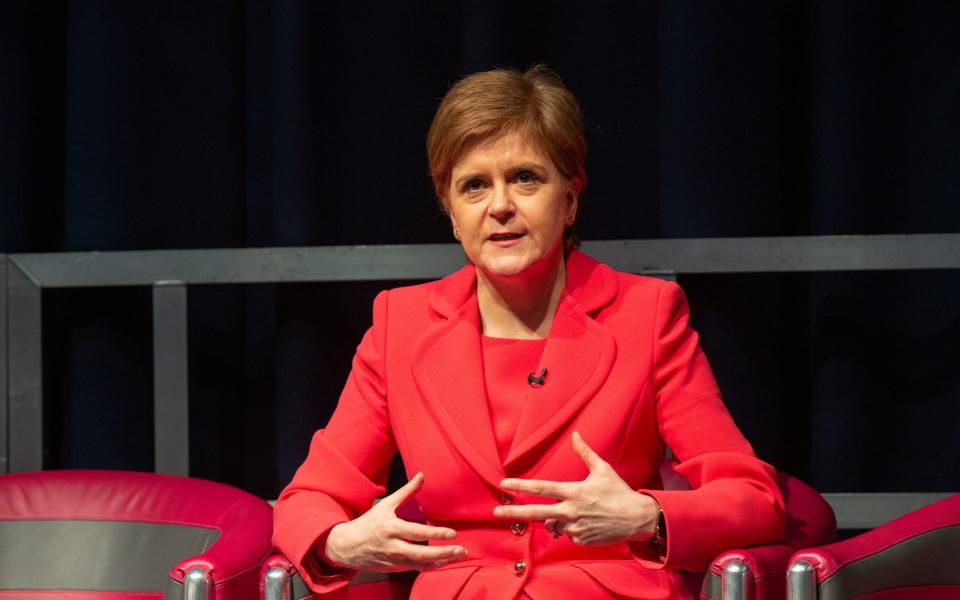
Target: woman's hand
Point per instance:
(379, 541)
(600, 510)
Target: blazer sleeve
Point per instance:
(735, 500)
(347, 464)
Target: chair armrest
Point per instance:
(230, 566)
(756, 572)
(191, 578)
(918, 550)
(206, 572)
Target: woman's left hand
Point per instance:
(600, 510)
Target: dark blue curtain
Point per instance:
(229, 124)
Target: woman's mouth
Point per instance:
(506, 239)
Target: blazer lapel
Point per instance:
(448, 370)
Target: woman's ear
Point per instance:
(453, 224)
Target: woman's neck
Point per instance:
(521, 306)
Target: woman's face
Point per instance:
(510, 205)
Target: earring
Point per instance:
(569, 220)
(456, 234)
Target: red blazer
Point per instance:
(624, 368)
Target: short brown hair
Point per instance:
(493, 103)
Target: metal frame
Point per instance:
(429, 261)
(171, 411)
(4, 467)
(169, 272)
(794, 254)
(24, 370)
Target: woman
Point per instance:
(531, 395)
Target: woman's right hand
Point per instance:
(380, 541)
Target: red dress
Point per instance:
(506, 364)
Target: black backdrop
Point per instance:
(135, 125)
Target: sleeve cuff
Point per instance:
(320, 575)
(310, 517)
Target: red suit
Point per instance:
(624, 369)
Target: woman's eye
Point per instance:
(474, 185)
(526, 177)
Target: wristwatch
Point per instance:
(660, 533)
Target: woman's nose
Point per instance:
(501, 202)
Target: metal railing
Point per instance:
(23, 277)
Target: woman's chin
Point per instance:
(507, 266)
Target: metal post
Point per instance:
(4, 465)
(196, 585)
(277, 585)
(171, 417)
(24, 371)
(734, 582)
(801, 581)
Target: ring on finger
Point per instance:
(555, 529)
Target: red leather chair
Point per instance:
(916, 557)
(743, 574)
(79, 535)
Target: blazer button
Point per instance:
(518, 528)
(507, 499)
(519, 568)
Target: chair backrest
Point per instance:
(123, 531)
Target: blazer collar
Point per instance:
(448, 365)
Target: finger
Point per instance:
(552, 489)
(404, 493)
(422, 555)
(586, 453)
(421, 533)
(534, 512)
